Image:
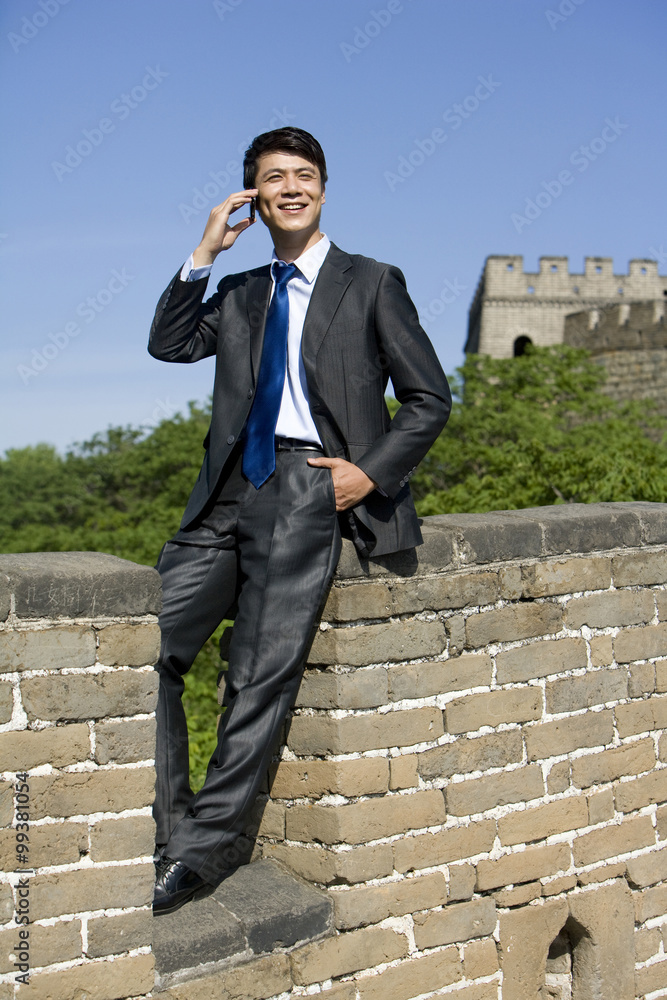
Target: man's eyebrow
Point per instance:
(283, 170)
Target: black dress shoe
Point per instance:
(176, 884)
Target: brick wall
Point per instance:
(477, 763)
(78, 633)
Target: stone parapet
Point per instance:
(78, 637)
(476, 765)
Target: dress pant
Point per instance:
(273, 551)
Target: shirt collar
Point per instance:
(311, 260)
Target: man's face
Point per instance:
(290, 195)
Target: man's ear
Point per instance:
(323, 198)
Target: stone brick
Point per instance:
(647, 943)
(446, 593)
(92, 696)
(459, 922)
(518, 895)
(345, 953)
(598, 768)
(268, 976)
(58, 943)
(648, 869)
(550, 577)
(662, 748)
(462, 879)
(539, 659)
(602, 873)
(430, 849)
(322, 735)
(558, 778)
(456, 634)
(357, 601)
(650, 903)
(118, 839)
(630, 835)
(478, 991)
(357, 688)
(317, 864)
(114, 935)
(661, 676)
(293, 779)
(641, 716)
(480, 958)
(390, 642)
(130, 976)
(6, 903)
(641, 680)
(465, 755)
(512, 623)
(125, 645)
(6, 702)
(601, 807)
(421, 680)
(641, 643)
(612, 608)
(413, 977)
(60, 746)
(479, 794)
(50, 844)
(371, 904)
(634, 569)
(118, 886)
(543, 821)
(569, 694)
(492, 708)
(510, 583)
(125, 742)
(525, 936)
(403, 772)
(364, 821)
(602, 652)
(661, 603)
(645, 791)
(52, 648)
(6, 803)
(661, 818)
(83, 792)
(552, 739)
(651, 978)
(554, 886)
(523, 866)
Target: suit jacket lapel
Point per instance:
(330, 285)
(257, 300)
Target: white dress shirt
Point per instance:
(294, 419)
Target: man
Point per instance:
(300, 449)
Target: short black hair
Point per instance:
(283, 140)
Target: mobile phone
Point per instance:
(252, 209)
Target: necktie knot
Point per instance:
(282, 272)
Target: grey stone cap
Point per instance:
(258, 908)
(76, 585)
(457, 541)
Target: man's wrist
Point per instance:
(203, 258)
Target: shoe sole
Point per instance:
(200, 893)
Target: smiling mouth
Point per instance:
(292, 206)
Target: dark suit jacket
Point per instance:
(361, 328)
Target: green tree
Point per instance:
(539, 430)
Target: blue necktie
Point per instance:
(259, 450)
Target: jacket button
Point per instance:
(230, 439)
(250, 393)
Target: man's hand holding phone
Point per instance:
(218, 234)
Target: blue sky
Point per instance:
(124, 122)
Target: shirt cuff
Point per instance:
(191, 273)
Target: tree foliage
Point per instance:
(538, 430)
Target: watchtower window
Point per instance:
(576, 289)
(598, 269)
(554, 267)
(531, 290)
(520, 345)
(510, 267)
(620, 291)
(643, 270)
